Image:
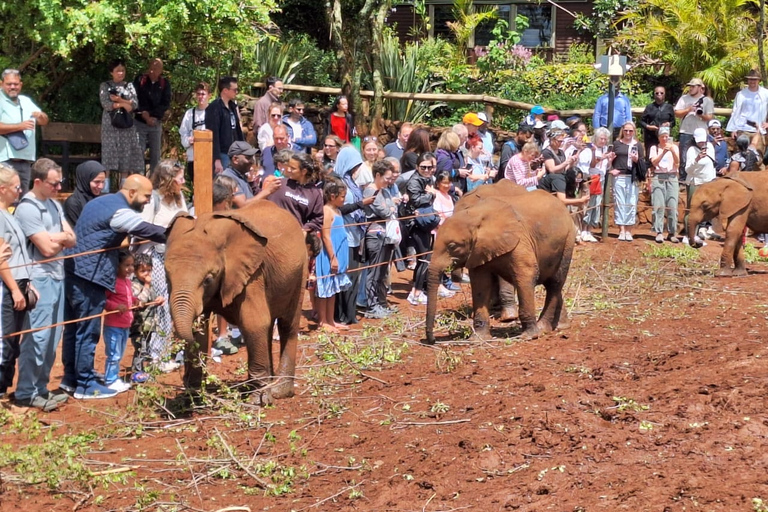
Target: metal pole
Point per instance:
(608, 181)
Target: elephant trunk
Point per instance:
(434, 277)
(184, 309)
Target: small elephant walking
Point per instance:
(248, 265)
(524, 238)
(740, 200)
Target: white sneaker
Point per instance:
(702, 233)
(628, 237)
(586, 236)
(685, 241)
(444, 293)
(698, 241)
(119, 386)
(659, 238)
(168, 366)
(622, 236)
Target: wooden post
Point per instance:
(203, 204)
(203, 171)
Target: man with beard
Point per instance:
(18, 118)
(105, 223)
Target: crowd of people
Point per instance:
(363, 208)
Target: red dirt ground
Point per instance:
(653, 400)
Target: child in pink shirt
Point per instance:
(117, 326)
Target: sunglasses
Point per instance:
(426, 167)
(629, 131)
(55, 184)
(329, 145)
(275, 115)
(370, 137)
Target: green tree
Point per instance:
(711, 39)
(468, 17)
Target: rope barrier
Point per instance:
(67, 322)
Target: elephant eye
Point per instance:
(208, 280)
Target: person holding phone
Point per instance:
(700, 166)
(628, 153)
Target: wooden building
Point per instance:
(550, 29)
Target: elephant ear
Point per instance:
(180, 224)
(243, 257)
(496, 230)
(736, 196)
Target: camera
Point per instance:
(113, 91)
(699, 106)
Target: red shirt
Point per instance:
(339, 127)
(123, 294)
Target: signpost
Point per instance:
(615, 66)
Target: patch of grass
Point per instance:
(759, 505)
(628, 404)
(752, 255)
(682, 254)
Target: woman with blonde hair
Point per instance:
(628, 155)
(267, 130)
(167, 200)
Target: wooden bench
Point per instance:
(69, 144)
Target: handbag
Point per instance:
(121, 119)
(426, 218)
(595, 185)
(18, 140)
(392, 233)
(640, 170)
(29, 295)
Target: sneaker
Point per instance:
(119, 386)
(68, 388)
(702, 233)
(674, 239)
(58, 398)
(443, 293)
(711, 235)
(659, 238)
(622, 236)
(628, 237)
(377, 312)
(38, 403)
(421, 300)
(451, 286)
(236, 336)
(411, 264)
(139, 377)
(465, 278)
(94, 392)
(685, 241)
(698, 241)
(168, 366)
(588, 237)
(226, 346)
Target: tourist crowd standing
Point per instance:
(366, 207)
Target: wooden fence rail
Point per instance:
(462, 98)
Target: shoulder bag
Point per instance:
(121, 119)
(18, 139)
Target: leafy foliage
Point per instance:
(682, 34)
(468, 17)
(503, 51)
(605, 14)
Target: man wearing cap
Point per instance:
(241, 157)
(750, 108)
(472, 122)
(622, 112)
(718, 142)
(18, 118)
(485, 135)
(656, 114)
(537, 114)
(700, 167)
(695, 110)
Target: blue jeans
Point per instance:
(80, 339)
(625, 195)
(38, 349)
(115, 340)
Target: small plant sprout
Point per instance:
(440, 408)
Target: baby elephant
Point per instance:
(525, 239)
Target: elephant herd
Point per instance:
(250, 265)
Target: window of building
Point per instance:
(540, 31)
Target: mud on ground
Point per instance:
(654, 400)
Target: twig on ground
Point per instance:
(348, 488)
(403, 424)
(242, 466)
(191, 471)
(113, 471)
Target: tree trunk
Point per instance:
(377, 26)
(760, 36)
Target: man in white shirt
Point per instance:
(700, 165)
(695, 110)
(750, 108)
(194, 119)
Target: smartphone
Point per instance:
(610, 148)
(278, 174)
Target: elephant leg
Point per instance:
(288, 327)
(482, 285)
(256, 329)
(732, 250)
(552, 316)
(507, 299)
(739, 261)
(524, 281)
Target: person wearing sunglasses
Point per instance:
(223, 119)
(267, 130)
(301, 133)
(629, 154)
(694, 109)
(15, 275)
(331, 147)
(657, 114)
(264, 104)
(421, 193)
(48, 234)
(194, 119)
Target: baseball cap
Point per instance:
(696, 81)
(664, 130)
(481, 116)
(700, 135)
(714, 124)
(558, 124)
(539, 125)
(241, 148)
(537, 109)
(471, 118)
